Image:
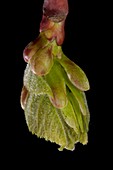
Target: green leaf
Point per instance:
(46, 121)
(42, 61)
(35, 84)
(84, 138)
(79, 95)
(86, 117)
(75, 74)
(77, 111)
(83, 120)
(70, 117)
(57, 85)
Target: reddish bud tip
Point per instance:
(56, 10)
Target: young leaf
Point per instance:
(70, 117)
(46, 121)
(35, 84)
(79, 95)
(77, 111)
(75, 74)
(42, 62)
(57, 85)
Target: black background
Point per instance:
(82, 45)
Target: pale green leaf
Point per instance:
(75, 74)
(77, 111)
(84, 138)
(79, 95)
(57, 84)
(70, 117)
(83, 120)
(46, 121)
(35, 84)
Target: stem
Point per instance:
(56, 10)
(53, 19)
